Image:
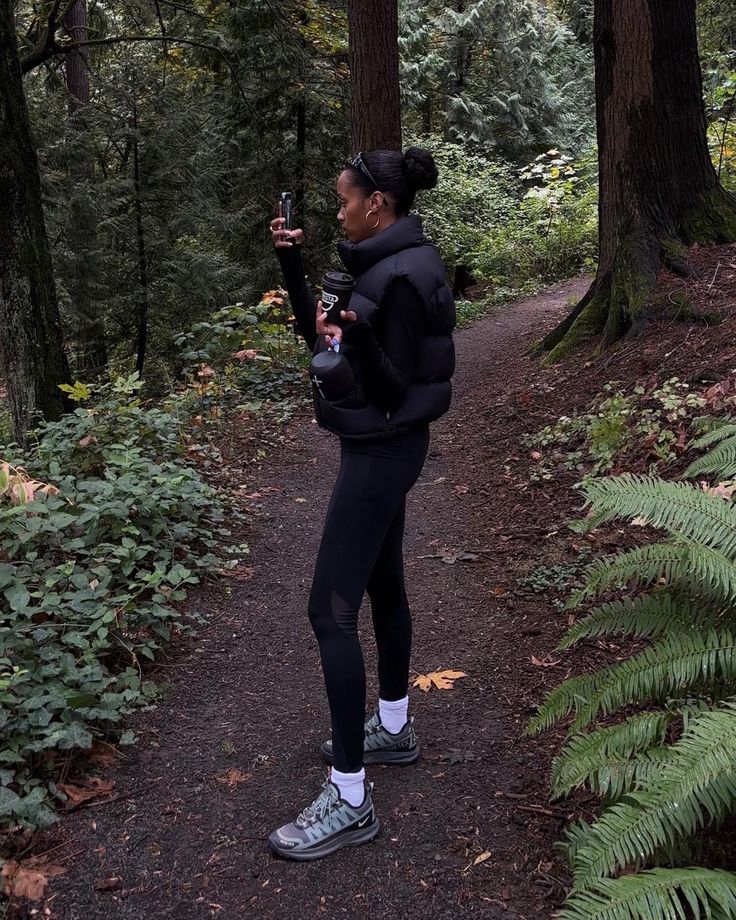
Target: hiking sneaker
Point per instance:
(380, 746)
(327, 825)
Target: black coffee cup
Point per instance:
(337, 288)
(331, 375)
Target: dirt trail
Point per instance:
(247, 696)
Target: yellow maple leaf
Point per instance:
(442, 680)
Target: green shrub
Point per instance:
(474, 198)
(620, 426)
(551, 234)
(103, 526)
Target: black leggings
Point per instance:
(361, 550)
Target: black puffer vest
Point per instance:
(400, 251)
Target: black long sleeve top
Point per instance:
(386, 351)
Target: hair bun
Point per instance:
(420, 168)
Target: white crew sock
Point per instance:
(351, 786)
(393, 714)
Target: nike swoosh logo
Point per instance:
(364, 821)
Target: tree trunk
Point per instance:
(659, 191)
(77, 70)
(90, 326)
(141, 248)
(32, 358)
(375, 110)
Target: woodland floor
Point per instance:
(231, 750)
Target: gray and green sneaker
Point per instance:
(327, 825)
(380, 746)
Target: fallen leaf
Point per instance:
(246, 354)
(233, 777)
(93, 788)
(27, 879)
(545, 662)
(104, 755)
(107, 884)
(722, 490)
(442, 680)
(482, 858)
(87, 440)
(536, 455)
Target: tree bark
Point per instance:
(32, 357)
(142, 342)
(659, 191)
(375, 109)
(90, 326)
(77, 70)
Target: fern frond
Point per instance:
(662, 893)
(679, 563)
(575, 837)
(675, 664)
(695, 786)
(721, 461)
(599, 756)
(654, 615)
(678, 507)
(712, 428)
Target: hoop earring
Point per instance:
(378, 220)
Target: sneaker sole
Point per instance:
(391, 758)
(349, 839)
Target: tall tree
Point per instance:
(375, 109)
(659, 191)
(32, 357)
(89, 323)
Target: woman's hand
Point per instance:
(282, 238)
(331, 331)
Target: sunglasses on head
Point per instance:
(359, 163)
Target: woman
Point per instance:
(397, 336)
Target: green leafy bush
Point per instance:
(245, 357)
(621, 427)
(103, 526)
(551, 234)
(474, 198)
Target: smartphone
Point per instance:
(286, 210)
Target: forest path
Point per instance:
(245, 701)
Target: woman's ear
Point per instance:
(378, 200)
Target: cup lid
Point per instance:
(338, 279)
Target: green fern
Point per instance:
(721, 461)
(678, 562)
(651, 615)
(712, 429)
(670, 667)
(673, 506)
(693, 787)
(658, 894)
(602, 757)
